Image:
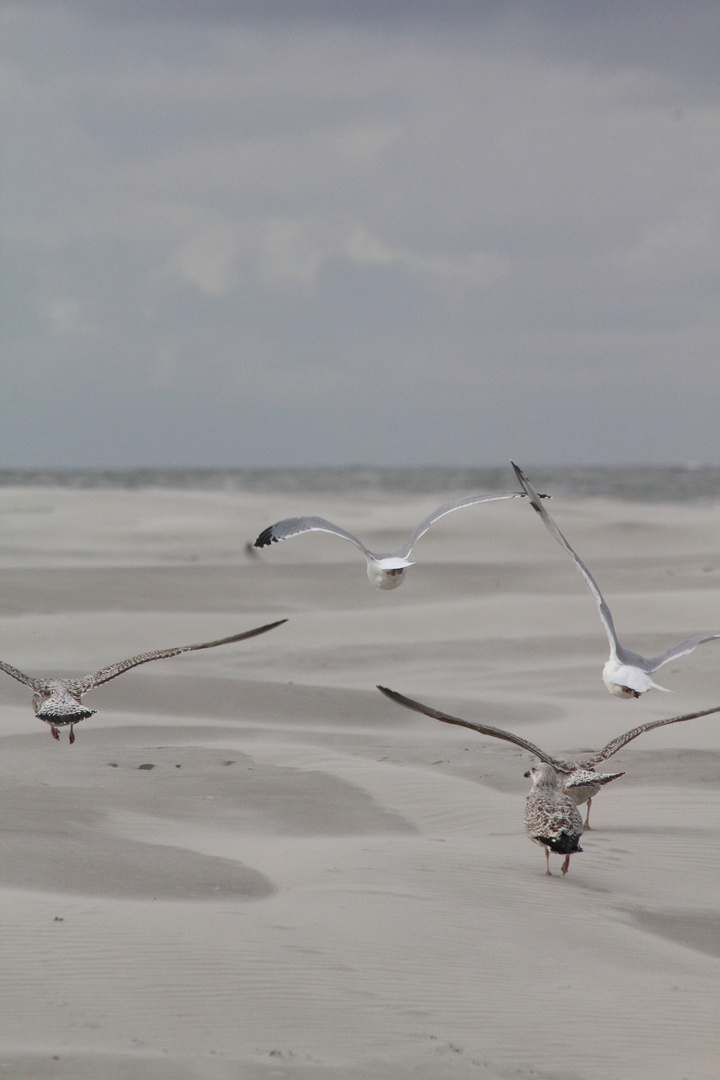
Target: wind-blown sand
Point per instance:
(251, 865)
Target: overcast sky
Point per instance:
(329, 233)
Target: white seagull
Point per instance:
(577, 779)
(385, 569)
(626, 674)
(59, 701)
(552, 819)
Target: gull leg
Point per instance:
(55, 734)
(586, 826)
(547, 862)
(71, 736)
(566, 865)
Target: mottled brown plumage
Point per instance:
(552, 819)
(59, 701)
(577, 778)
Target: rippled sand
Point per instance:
(251, 865)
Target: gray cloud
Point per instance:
(660, 33)
(240, 238)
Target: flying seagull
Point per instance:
(552, 819)
(577, 779)
(626, 674)
(59, 701)
(385, 569)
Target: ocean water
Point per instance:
(688, 484)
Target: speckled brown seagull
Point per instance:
(59, 701)
(386, 570)
(577, 779)
(552, 819)
(626, 674)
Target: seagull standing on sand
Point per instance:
(577, 779)
(552, 819)
(386, 570)
(59, 701)
(626, 674)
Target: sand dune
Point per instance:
(251, 865)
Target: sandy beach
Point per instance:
(251, 865)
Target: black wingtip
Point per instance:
(64, 719)
(266, 538)
(521, 476)
(528, 488)
(398, 698)
(270, 626)
(564, 844)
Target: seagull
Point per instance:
(577, 779)
(386, 569)
(552, 819)
(59, 701)
(626, 674)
